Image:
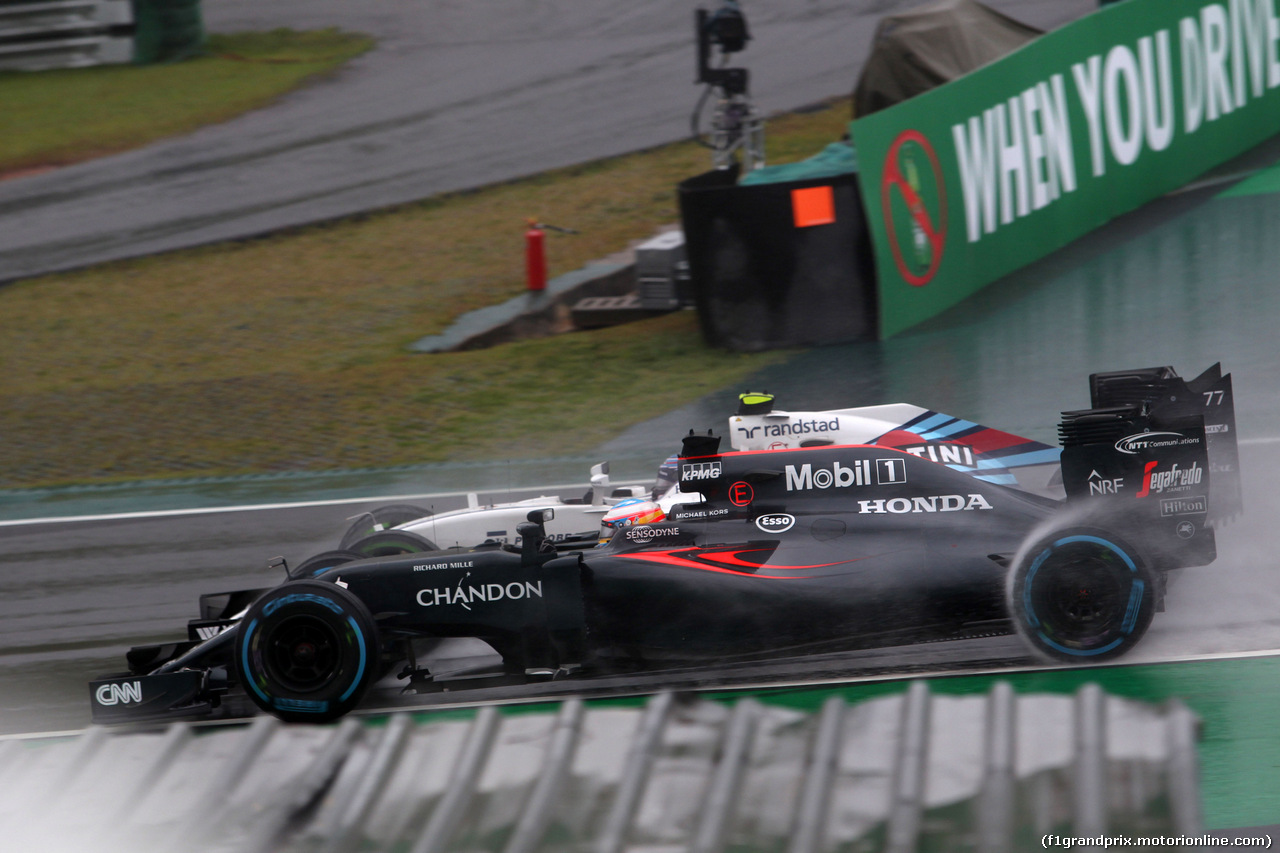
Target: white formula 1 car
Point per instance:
(576, 522)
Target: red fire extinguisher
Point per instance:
(535, 257)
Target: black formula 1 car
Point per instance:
(790, 551)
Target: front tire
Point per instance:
(322, 562)
(1081, 595)
(307, 651)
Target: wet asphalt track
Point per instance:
(458, 93)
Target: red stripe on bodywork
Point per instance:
(898, 438)
(993, 439)
(672, 560)
(676, 558)
(731, 558)
(984, 440)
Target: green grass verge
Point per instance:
(64, 116)
(289, 353)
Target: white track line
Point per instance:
(163, 513)
(40, 735)
(1003, 670)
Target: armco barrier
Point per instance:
(64, 34)
(992, 171)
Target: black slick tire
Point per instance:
(1081, 595)
(306, 651)
(390, 543)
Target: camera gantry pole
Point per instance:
(735, 124)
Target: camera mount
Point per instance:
(736, 126)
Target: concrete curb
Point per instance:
(538, 315)
(532, 315)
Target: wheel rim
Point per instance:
(303, 654)
(1081, 602)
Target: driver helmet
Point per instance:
(628, 514)
(668, 477)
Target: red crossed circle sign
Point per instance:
(926, 207)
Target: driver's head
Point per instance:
(668, 477)
(628, 514)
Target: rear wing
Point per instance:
(1167, 395)
(1158, 448)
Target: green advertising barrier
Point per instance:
(992, 171)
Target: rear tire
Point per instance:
(1081, 594)
(390, 543)
(321, 562)
(307, 651)
(381, 519)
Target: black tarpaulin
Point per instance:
(916, 50)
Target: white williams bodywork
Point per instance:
(983, 453)
(574, 520)
(464, 528)
(777, 430)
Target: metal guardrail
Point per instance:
(64, 34)
(909, 772)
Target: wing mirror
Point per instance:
(533, 535)
(599, 483)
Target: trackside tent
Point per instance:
(922, 48)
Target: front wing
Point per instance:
(145, 697)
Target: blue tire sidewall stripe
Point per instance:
(1032, 619)
(359, 672)
(1082, 653)
(244, 662)
(1136, 592)
(1067, 540)
(1135, 604)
